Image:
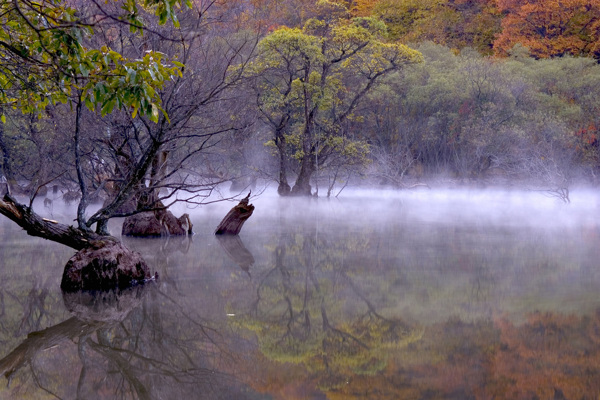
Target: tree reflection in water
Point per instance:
(119, 345)
(307, 310)
(298, 310)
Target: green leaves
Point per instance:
(128, 84)
(44, 61)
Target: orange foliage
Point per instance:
(588, 135)
(454, 23)
(363, 8)
(550, 28)
(551, 356)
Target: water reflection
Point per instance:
(236, 250)
(338, 301)
(121, 345)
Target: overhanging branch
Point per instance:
(35, 225)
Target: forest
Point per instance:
(139, 104)
(124, 108)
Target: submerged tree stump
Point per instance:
(235, 218)
(157, 223)
(108, 266)
(101, 261)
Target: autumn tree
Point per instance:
(456, 24)
(309, 81)
(550, 28)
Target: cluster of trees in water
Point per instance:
(312, 92)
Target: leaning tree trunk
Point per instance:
(49, 229)
(235, 218)
(101, 262)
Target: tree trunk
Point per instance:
(11, 182)
(302, 186)
(235, 218)
(103, 268)
(284, 188)
(157, 223)
(35, 225)
(102, 262)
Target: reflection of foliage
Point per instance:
(299, 316)
(550, 356)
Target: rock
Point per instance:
(107, 266)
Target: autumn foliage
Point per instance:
(550, 28)
(550, 356)
(546, 28)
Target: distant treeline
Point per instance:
(321, 92)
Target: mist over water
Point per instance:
(422, 278)
(494, 207)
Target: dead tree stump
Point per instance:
(235, 218)
(106, 266)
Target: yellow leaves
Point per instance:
(380, 57)
(289, 43)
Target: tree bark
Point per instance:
(108, 267)
(157, 223)
(101, 262)
(235, 218)
(302, 186)
(284, 188)
(11, 182)
(35, 225)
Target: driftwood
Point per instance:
(235, 218)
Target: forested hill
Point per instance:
(141, 100)
(492, 27)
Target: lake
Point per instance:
(427, 294)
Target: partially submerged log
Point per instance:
(235, 218)
(108, 266)
(156, 223)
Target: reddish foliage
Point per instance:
(550, 28)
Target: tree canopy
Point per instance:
(46, 56)
(309, 81)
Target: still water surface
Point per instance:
(413, 295)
